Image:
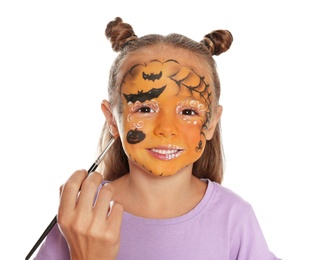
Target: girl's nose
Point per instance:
(166, 125)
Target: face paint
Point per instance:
(192, 106)
(141, 96)
(135, 136)
(151, 76)
(165, 108)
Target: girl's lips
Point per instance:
(166, 153)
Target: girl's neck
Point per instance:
(149, 196)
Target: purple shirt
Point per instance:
(222, 226)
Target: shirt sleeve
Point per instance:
(252, 244)
(54, 246)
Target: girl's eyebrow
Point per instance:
(143, 96)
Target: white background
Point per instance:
(54, 63)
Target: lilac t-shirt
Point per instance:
(222, 226)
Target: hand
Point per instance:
(91, 231)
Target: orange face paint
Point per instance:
(165, 108)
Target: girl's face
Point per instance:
(165, 115)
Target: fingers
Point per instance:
(88, 192)
(103, 202)
(105, 206)
(81, 205)
(107, 213)
(90, 229)
(70, 199)
(70, 191)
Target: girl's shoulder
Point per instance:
(223, 197)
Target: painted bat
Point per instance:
(143, 96)
(151, 76)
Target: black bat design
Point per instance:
(143, 96)
(151, 76)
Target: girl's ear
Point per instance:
(112, 125)
(214, 121)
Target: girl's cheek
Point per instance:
(189, 121)
(191, 130)
(133, 128)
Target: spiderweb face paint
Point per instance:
(165, 108)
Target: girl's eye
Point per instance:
(188, 112)
(145, 110)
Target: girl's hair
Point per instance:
(124, 41)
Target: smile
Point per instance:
(166, 153)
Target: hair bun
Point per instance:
(119, 33)
(218, 41)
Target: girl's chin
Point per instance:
(167, 173)
(161, 170)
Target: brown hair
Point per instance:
(124, 41)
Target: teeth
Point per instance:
(169, 153)
(161, 151)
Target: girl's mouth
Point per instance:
(166, 153)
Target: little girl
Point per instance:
(159, 194)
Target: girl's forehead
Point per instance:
(158, 70)
(168, 76)
(166, 58)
